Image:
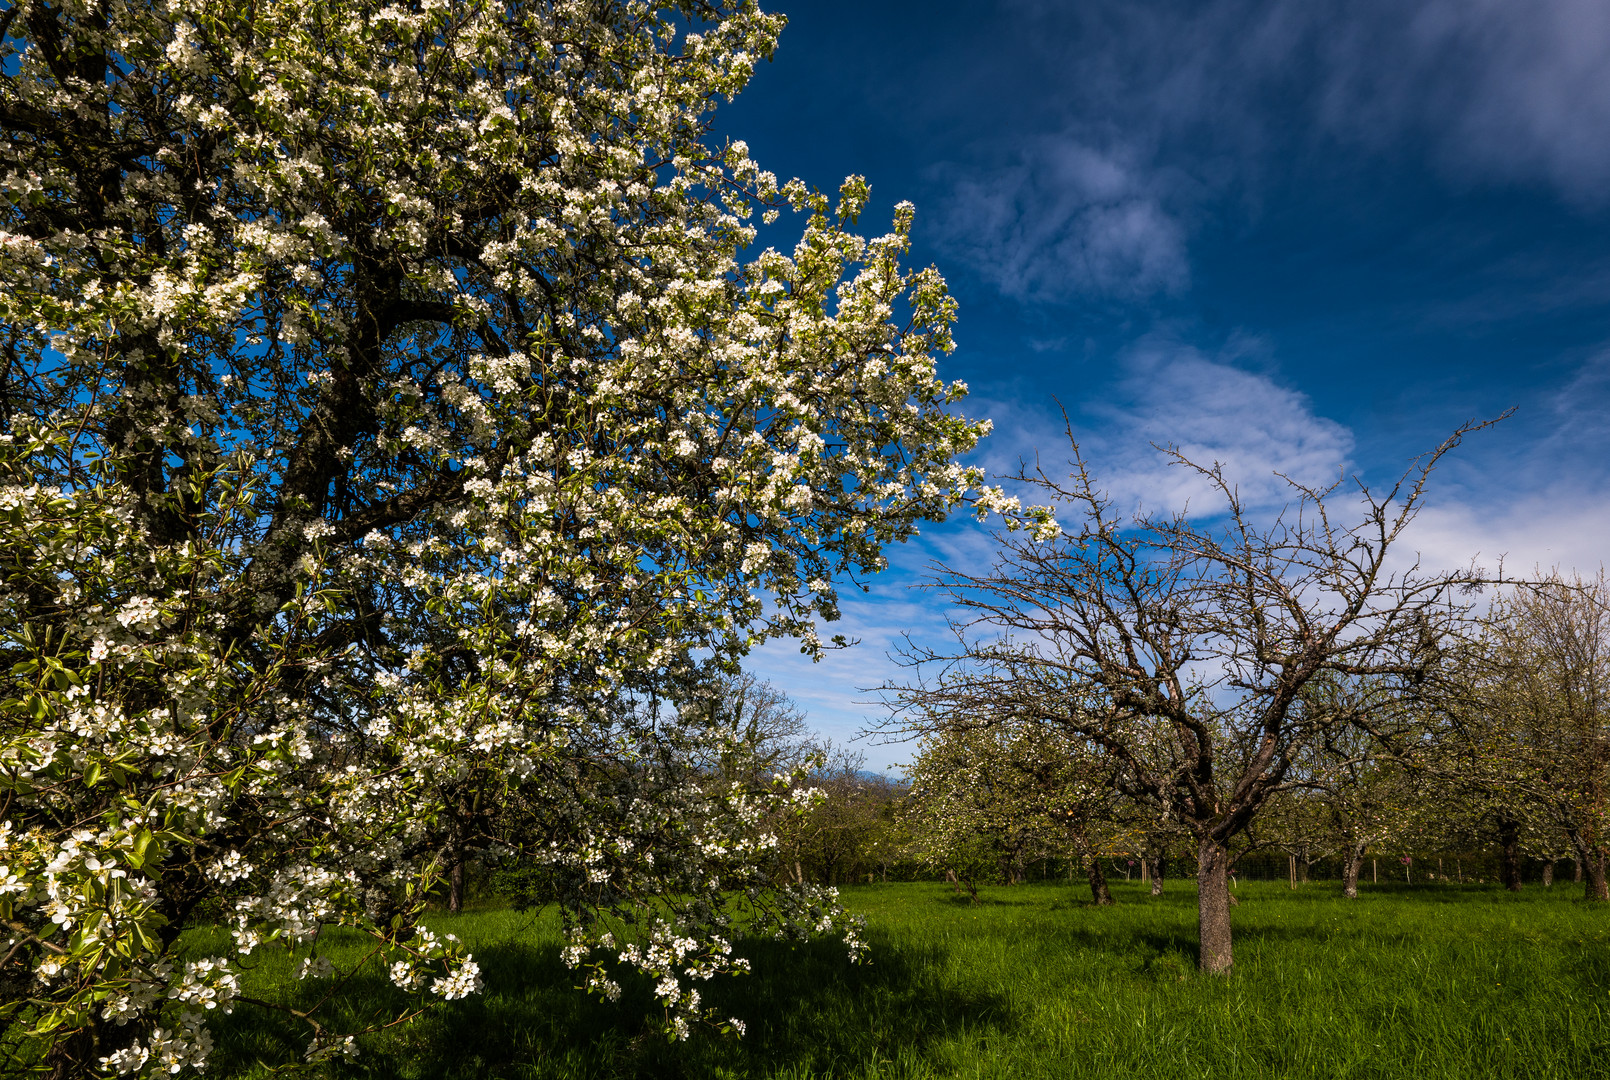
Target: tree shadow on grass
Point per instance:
(807, 1010)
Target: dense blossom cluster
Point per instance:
(388, 407)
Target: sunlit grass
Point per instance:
(1442, 981)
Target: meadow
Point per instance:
(1425, 982)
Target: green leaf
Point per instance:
(136, 856)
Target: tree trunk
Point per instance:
(1548, 874)
(455, 884)
(1157, 876)
(1576, 875)
(1509, 839)
(1098, 882)
(1355, 861)
(1597, 888)
(1291, 872)
(1145, 870)
(1213, 907)
(1375, 871)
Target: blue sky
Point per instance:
(1312, 236)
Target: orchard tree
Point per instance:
(390, 407)
(1011, 791)
(1367, 799)
(834, 839)
(770, 730)
(1182, 647)
(1361, 787)
(1539, 715)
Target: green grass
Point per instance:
(1445, 981)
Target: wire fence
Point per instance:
(1460, 868)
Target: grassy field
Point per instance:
(1440, 981)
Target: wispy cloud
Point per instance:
(1065, 219)
(1513, 92)
(839, 693)
(1496, 90)
(1215, 410)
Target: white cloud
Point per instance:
(1565, 528)
(1066, 220)
(1215, 411)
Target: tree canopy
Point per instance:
(393, 399)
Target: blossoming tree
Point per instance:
(388, 402)
(1528, 732)
(992, 787)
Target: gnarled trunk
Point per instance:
(1098, 881)
(1157, 877)
(1213, 907)
(1355, 862)
(1548, 874)
(1596, 888)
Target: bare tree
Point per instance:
(771, 729)
(1183, 649)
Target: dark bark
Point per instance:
(455, 883)
(1548, 874)
(1098, 882)
(1595, 887)
(1157, 876)
(1217, 955)
(1509, 841)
